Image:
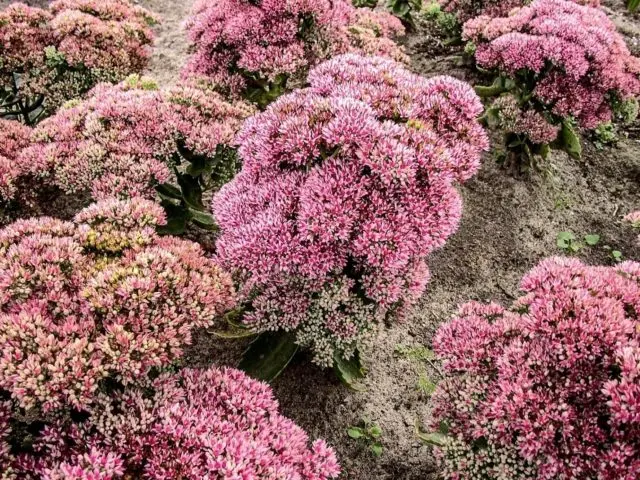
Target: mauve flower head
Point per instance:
(99, 297)
(196, 424)
(551, 387)
(61, 53)
(13, 138)
(570, 57)
(244, 45)
(122, 141)
(346, 187)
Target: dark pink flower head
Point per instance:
(346, 188)
(241, 44)
(193, 425)
(578, 60)
(101, 297)
(550, 388)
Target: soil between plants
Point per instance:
(510, 223)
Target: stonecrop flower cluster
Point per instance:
(125, 140)
(346, 187)
(193, 425)
(13, 138)
(562, 61)
(103, 296)
(259, 48)
(51, 56)
(551, 387)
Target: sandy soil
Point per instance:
(509, 224)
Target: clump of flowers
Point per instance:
(128, 140)
(634, 219)
(101, 297)
(13, 138)
(259, 49)
(549, 388)
(346, 187)
(51, 56)
(563, 65)
(215, 423)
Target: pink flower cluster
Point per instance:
(101, 297)
(13, 138)
(346, 188)
(61, 53)
(531, 123)
(197, 424)
(551, 388)
(634, 219)
(123, 140)
(568, 56)
(242, 45)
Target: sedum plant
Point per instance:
(559, 67)
(13, 138)
(195, 424)
(346, 187)
(51, 56)
(100, 298)
(134, 140)
(405, 10)
(634, 219)
(262, 48)
(549, 388)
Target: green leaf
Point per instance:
(268, 355)
(234, 334)
(177, 218)
(570, 141)
(376, 448)
(355, 432)
(203, 219)
(493, 90)
(349, 371)
(632, 5)
(592, 239)
(434, 438)
(564, 239)
(375, 431)
(168, 191)
(191, 191)
(616, 255)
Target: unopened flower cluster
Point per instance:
(346, 188)
(101, 297)
(196, 424)
(567, 60)
(123, 140)
(62, 52)
(550, 388)
(248, 46)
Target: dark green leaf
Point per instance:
(203, 219)
(191, 191)
(166, 190)
(632, 5)
(570, 141)
(177, 217)
(349, 371)
(268, 355)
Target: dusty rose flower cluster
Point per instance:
(550, 388)
(346, 188)
(51, 56)
(103, 296)
(13, 138)
(634, 219)
(197, 424)
(124, 140)
(257, 48)
(531, 123)
(566, 60)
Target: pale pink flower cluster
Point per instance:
(101, 297)
(573, 56)
(346, 187)
(13, 138)
(531, 123)
(243, 44)
(63, 52)
(634, 219)
(122, 141)
(550, 388)
(193, 425)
